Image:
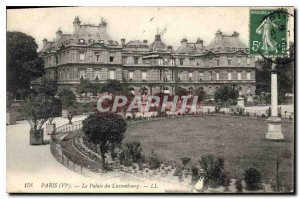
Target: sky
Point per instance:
(135, 23)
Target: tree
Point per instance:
(37, 110)
(285, 70)
(67, 97)
(200, 93)
(112, 86)
(181, 91)
(226, 93)
(87, 86)
(103, 130)
(252, 179)
(213, 168)
(22, 62)
(48, 87)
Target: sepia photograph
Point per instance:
(193, 100)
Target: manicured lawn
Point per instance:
(240, 141)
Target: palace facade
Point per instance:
(90, 53)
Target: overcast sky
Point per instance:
(134, 23)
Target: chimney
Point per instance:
(170, 48)
(184, 41)
(235, 34)
(103, 25)
(199, 43)
(157, 37)
(145, 41)
(45, 41)
(76, 25)
(123, 41)
(219, 35)
(58, 34)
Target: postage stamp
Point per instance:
(268, 32)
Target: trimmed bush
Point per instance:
(252, 179)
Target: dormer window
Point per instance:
(91, 41)
(81, 41)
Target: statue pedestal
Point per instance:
(240, 102)
(274, 129)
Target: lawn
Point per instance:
(240, 141)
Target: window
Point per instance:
(160, 61)
(136, 60)
(144, 75)
(97, 75)
(111, 58)
(190, 76)
(210, 75)
(89, 35)
(218, 62)
(239, 76)
(181, 62)
(130, 76)
(81, 55)
(97, 55)
(229, 61)
(248, 61)
(89, 73)
(239, 61)
(111, 74)
(192, 61)
(210, 61)
(98, 35)
(248, 76)
(229, 75)
(217, 76)
(82, 74)
(201, 77)
(101, 42)
(172, 61)
(124, 60)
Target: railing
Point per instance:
(70, 159)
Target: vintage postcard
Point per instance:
(150, 100)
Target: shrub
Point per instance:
(178, 171)
(154, 161)
(238, 185)
(252, 179)
(185, 161)
(213, 168)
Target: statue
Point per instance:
(70, 116)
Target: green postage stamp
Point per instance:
(268, 32)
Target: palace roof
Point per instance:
(225, 42)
